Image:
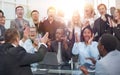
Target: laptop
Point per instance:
(50, 59)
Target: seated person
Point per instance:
(30, 42)
(109, 64)
(86, 49)
(61, 47)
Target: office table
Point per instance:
(59, 72)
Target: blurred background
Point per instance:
(67, 6)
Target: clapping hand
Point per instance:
(103, 18)
(44, 39)
(26, 33)
(111, 22)
(91, 39)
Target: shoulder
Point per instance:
(80, 44)
(94, 43)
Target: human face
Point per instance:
(88, 12)
(33, 33)
(116, 15)
(76, 17)
(20, 12)
(102, 10)
(87, 34)
(51, 14)
(100, 48)
(35, 16)
(59, 34)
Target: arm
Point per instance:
(75, 48)
(28, 58)
(25, 58)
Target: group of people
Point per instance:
(95, 40)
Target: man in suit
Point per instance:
(61, 43)
(109, 64)
(14, 59)
(19, 23)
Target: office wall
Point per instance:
(8, 6)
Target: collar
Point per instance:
(14, 45)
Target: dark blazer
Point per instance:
(116, 32)
(100, 27)
(16, 61)
(66, 54)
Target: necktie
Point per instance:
(59, 53)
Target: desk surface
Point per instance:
(57, 71)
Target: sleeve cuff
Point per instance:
(42, 44)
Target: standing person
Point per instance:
(19, 23)
(115, 26)
(74, 26)
(112, 10)
(50, 24)
(109, 63)
(89, 15)
(14, 59)
(36, 22)
(101, 25)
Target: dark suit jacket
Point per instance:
(116, 31)
(66, 54)
(16, 61)
(100, 27)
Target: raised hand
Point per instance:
(111, 22)
(44, 39)
(103, 18)
(26, 33)
(91, 39)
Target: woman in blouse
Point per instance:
(86, 49)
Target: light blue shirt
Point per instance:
(109, 65)
(85, 51)
(28, 46)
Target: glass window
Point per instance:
(9, 10)
(21, 1)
